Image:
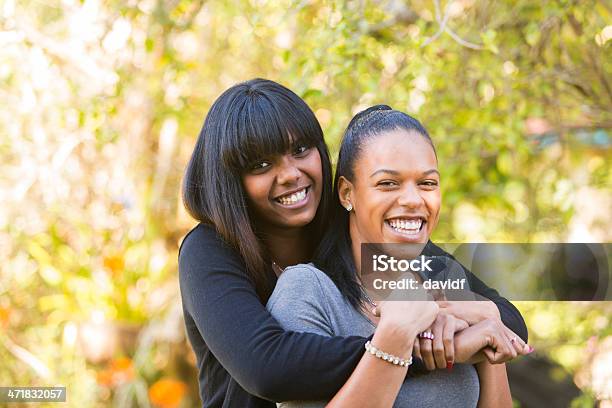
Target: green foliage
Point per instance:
(103, 102)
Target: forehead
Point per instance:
(399, 150)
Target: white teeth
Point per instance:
(410, 227)
(293, 198)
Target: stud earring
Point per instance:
(349, 207)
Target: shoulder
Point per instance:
(304, 282)
(432, 249)
(201, 236)
(300, 299)
(203, 250)
(204, 239)
(305, 274)
(443, 259)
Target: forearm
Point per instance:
(375, 382)
(468, 348)
(471, 311)
(494, 387)
(479, 357)
(314, 372)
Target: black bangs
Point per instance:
(250, 121)
(265, 125)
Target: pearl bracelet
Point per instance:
(386, 356)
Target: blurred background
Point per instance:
(102, 103)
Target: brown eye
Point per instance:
(429, 183)
(300, 150)
(260, 165)
(387, 183)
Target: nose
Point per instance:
(288, 172)
(410, 197)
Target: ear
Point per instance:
(345, 189)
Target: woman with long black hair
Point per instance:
(259, 183)
(387, 191)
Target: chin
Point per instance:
(298, 222)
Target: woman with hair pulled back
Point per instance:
(387, 190)
(259, 182)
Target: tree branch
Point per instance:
(442, 22)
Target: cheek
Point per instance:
(372, 209)
(434, 201)
(255, 188)
(315, 169)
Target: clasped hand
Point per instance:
(455, 341)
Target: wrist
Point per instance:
(486, 310)
(394, 337)
(390, 358)
(397, 328)
(493, 310)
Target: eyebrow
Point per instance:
(396, 173)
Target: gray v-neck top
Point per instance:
(305, 299)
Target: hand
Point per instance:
(440, 352)
(498, 343)
(470, 311)
(413, 316)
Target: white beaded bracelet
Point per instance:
(386, 356)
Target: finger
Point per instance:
(443, 303)
(376, 311)
(427, 354)
(437, 294)
(518, 343)
(460, 324)
(491, 355)
(416, 349)
(511, 349)
(505, 347)
(438, 343)
(520, 349)
(496, 346)
(448, 338)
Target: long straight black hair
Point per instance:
(334, 254)
(250, 121)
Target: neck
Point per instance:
(287, 246)
(355, 244)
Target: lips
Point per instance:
(293, 197)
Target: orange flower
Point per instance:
(167, 393)
(114, 263)
(5, 314)
(119, 371)
(105, 378)
(122, 369)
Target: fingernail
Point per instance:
(449, 366)
(531, 349)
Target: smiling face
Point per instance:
(396, 190)
(285, 190)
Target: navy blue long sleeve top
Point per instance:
(244, 357)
